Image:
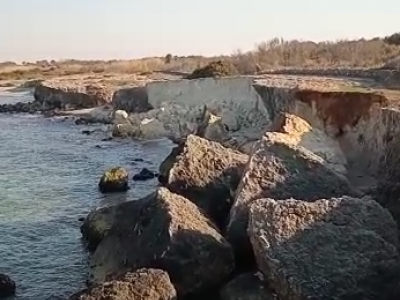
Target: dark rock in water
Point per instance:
(81, 121)
(98, 146)
(166, 231)
(206, 173)
(142, 284)
(87, 132)
(144, 174)
(21, 107)
(7, 286)
(107, 139)
(138, 160)
(97, 224)
(114, 180)
(81, 219)
(247, 286)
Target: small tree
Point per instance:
(168, 58)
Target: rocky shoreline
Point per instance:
(256, 200)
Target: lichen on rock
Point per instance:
(114, 180)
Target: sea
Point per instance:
(49, 171)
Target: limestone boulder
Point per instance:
(7, 286)
(338, 248)
(114, 180)
(164, 230)
(206, 173)
(247, 286)
(299, 132)
(279, 169)
(142, 284)
(96, 225)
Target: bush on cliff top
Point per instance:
(217, 68)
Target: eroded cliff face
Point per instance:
(71, 97)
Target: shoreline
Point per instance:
(226, 131)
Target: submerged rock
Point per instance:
(339, 248)
(164, 230)
(114, 180)
(279, 169)
(144, 174)
(206, 173)
(7, 286)
(142, 284)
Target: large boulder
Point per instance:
(206, 173)
(97, 224)
(142, 284)
(59, 96)
(131, 100)
(279, 169)
(7, 286)
(166, 231)
(114, 180)
(247, 286)
(338, 248)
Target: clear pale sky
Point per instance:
(102, 29)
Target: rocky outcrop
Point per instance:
(143, 284)
(131, 100)
(22, 107)
(166, 231)
(7, 286)
(299, 132)
(97, 224)
(206, 173)
(279, 169)
(247, 286)
(339, 248)
(388, 189)
(64, 97)
(114, 180)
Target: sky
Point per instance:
(121, 29)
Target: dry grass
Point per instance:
(273, 54)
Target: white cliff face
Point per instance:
(178, 107)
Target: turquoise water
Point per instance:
(48, 179)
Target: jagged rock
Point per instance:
(279, 169)
(299, 132)
(143, 284)
(144, 174)
(97, 224)
(131, 100)
(247, 286)
(7, 286)
(206, 173)
(166, 231)
(211, 127)
(338, 248)
(114, 180)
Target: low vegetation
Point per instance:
(219, 68)
(274, 54)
